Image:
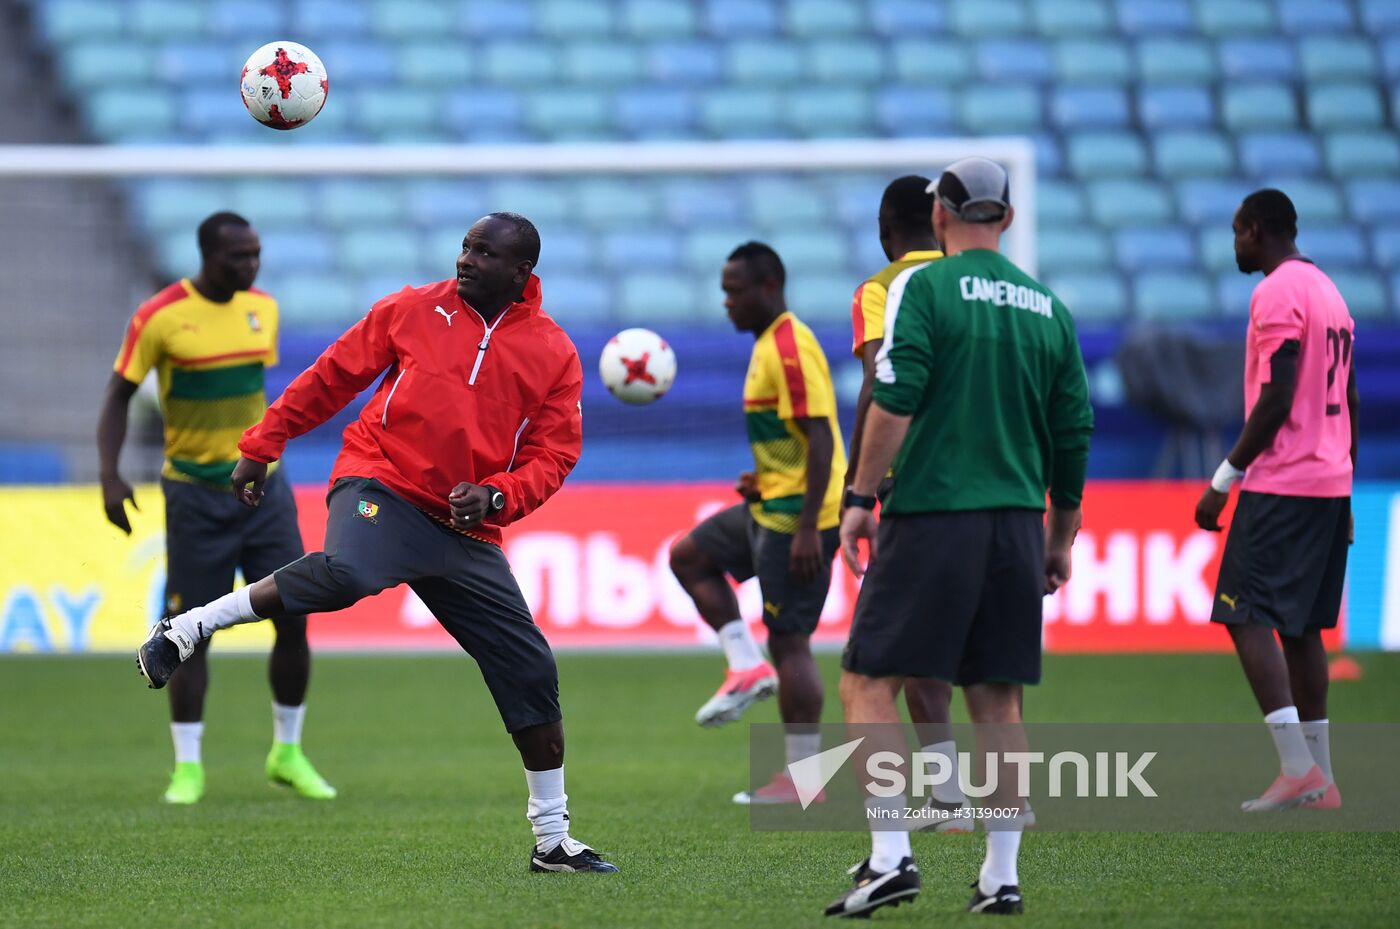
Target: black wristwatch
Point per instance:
(859, 500)
(497, 501)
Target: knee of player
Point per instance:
(685, 557)
(348, 582)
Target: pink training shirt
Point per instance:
(1311, 455)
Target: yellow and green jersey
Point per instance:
(868, 305)
(209, 358)
(788, 380)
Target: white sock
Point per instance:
(286, 723)
(887, 848)
(1293, 754)
(549, 808)
(950, 791)
(739, 646)
(231, 609)
(999, 867)
(1319, 746)
(802, 745)
(186, 737)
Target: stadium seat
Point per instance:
(1144, 19)
(388, 251)
(1209, 202)
(1385, 247)
(130, 115)
(1332, 247)
(455, 202)
(1380, 16)
(517, 64)
(1098, 61)
(323, 17)
(1351, 154)
(1023, 59)
(1390, 57)
(1049, 159)
(1279, 153)
(740, 18)
(165, 19)
(998, 108)
(1233, 291)
(821, 299)
(1258, 59)
(1236, 17)
(905, 110)
(897, 18)
(605, 203)
(695, 62)
(1072, 248)
(204, 112)
(1315, 198)
(1216, 246)
(776, 203)
(1331, 58)
(649, 112)
(358, 61)
(495, 19)
(601, 62)
(1308, 17)
(1175, 106)
(385, 110)
(1344, 106)
(410, 19)
(269, 200)
(1128, 202)
(244, 23)
(855, 200)
(1144, 248)
(1059, 203)
(1106, 154)
(93, 65)
(483, 113)
(763, 61)
(1374, 200)
(196, 63)
(1076, 107)
(652, 19)
(692, 203)
(705, 250)
(1192, 154)
(434, 64)
(572, 19)
(349, 202)
(575, 299)
(832, 61)
(925, 61)
(733, 112)
(1071, 17)
(829, 112)
(651, 298)
(1364, 292)
(817, 18)
(1259, 106)
(641, 248)
(567, 113)
(1172, 295)
(311, 299)
(1091, 296)
(988, 18)
(568, 248)
(178, 253)
(545, 202)
(1175, 60)
(64, 21)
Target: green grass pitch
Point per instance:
(430, 828)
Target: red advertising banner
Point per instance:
(593, 565)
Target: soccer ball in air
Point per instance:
(637, 366)
(284, 85)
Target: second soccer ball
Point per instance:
(637, 366)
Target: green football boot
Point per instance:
(286, 765)
(186, 783)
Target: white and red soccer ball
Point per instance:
(637, 366)
(284, 85)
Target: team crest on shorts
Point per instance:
(368, 510)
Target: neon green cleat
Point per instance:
(186, 783)
(286, 765)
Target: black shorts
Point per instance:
(375, 540)
(954, 596)
(209, 535)
(1285, 563)
(744, 549)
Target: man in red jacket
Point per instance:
(475, 424)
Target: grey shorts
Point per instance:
(375, 540)
(954, 596)
(744, 549)
(209, 535)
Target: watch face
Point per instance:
(498, 501)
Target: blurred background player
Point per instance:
(474, 425)
(1285, 559)
(906, 235)
(210, 339)
(785, 533)
(981, 404)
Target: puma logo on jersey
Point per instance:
(446, 315)
(771, 607)
(1229, 601)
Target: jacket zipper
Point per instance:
(384, 420)
(516, 447)
(485, 342)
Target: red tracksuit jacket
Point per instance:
(462, 401)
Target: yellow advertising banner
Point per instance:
(72, 582)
